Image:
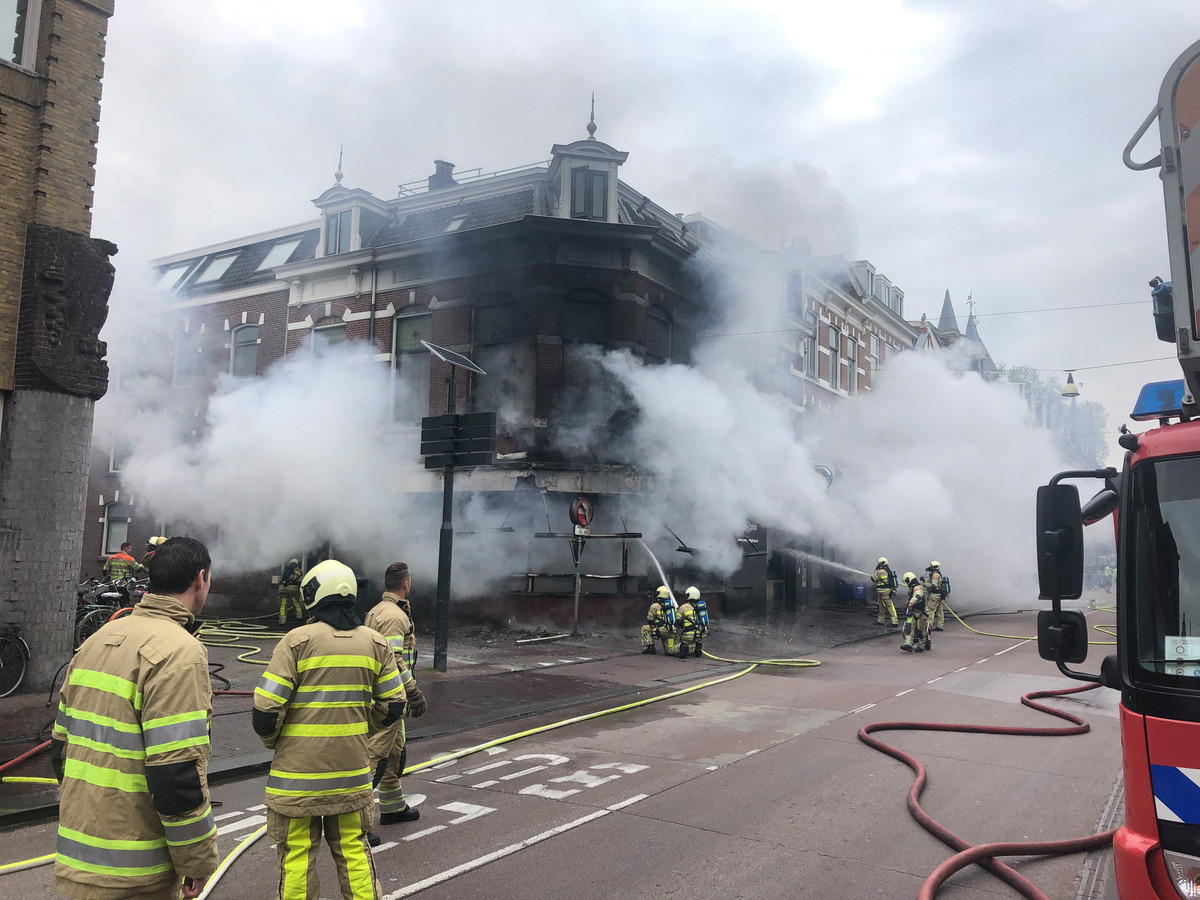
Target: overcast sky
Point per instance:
(974, 147)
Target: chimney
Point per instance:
(443, 175)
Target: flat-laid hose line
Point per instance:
(985, 855)
(1022, 637)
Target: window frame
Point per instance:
(235, 345)
(397, 360)
(835, 354)
(202, 276)
(851, 365)
(27, 59)
(106, 533)
(318, 333)
(340, 234)
(584, 182)
(282, 242)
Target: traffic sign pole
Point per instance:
(441, 635)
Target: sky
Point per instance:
(974, 148)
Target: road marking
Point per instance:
(861, 709)
(902, 693)
(981, 661)
(511, 775)
(751, 752)
(485, 784)
(244, 823)
(566, 662)
(257, 808)
(469, 811)
(388, 846)
(1013, 647)
(495, 765)
(501, 853)
(420, 834)
(232, 815)
(446, 778)
(712, 768)
(964, 668)
(932, 680)
(545, 665)
(629, 802)
(627, 768)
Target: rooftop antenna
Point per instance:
(591, 126)
(337, 176)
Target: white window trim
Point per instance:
(233, 343)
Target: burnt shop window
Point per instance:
(410, 367)
(243, 353)
(1164, 564)
(116, 527)
(337, 232)
(589, 194)
(658, 335)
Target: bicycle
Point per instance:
(108, 601)
(14, 658)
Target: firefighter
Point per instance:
(151, 545)
(937, 589)
(687, 623)
(328, 683)
(659, 623)
(289, 590)
(885, 589)
(122, 565)
(701, 617)
(916, 620)
(130, 746)
(392, 617)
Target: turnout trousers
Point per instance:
(297, 840)
(665, 634)
(388, 745)
(937, 611)
(883, 600)
(291, 594)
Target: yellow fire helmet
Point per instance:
(664, 592)
(935, 565)
(693, 593)
(155, 541)
(329, 580)
(882, 561)
(910, 579)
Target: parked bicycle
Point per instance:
(14, 658)
(99, 602)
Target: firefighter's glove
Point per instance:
(416, 701)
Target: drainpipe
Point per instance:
(371, 321)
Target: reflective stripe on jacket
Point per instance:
(121, 565)
(882, 579)
(136, 695)
(656, 616)
(687, 621)
(329, 688)
(935, 586)
(392, 617)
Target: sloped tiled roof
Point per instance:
(243, 271)
(510, 207)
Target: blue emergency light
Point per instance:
(1159, 400)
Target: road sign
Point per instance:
(459, 445)
(581, 512)
(458, 460)
(582, 531)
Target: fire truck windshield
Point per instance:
(1164, 567)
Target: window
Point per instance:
(587, 316)
(116, 527)
(243, 354)
(810, 356)
(835, 344)
(20, 20)
(171, 277)
(658, 335)
(327, 336)
(455, 224)
(410, 368)
(851, 365)
(279, 254)
(589, 194)
(337, 232)
(216, 267)
(118, 456)
(187, 360)
(874, 353)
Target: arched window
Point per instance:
(658, 334)
(410, 366)
(243, 355)
(502, 348)
(116, 526)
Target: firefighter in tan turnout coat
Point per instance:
(329, 683)
(392, 617)
(130, 746)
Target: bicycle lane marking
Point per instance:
(481, 861)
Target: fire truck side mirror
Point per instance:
(1059, 542)
(1066, 642)
(1110, 672)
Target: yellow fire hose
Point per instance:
(23, 864)
(1109, 630)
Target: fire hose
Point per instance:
(985, 855)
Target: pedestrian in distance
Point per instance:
(885, 589)
(937, 589)
(130, 746)
(387, 749)
(916, 620)
(660, 623)
(687, 624)
(122, 565)
(290, 574)
(329, 683)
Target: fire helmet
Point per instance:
(882, 561)
(156, 540)
(935, 565)
(664, 592)
(693, 593)
(328, 581)
(910, 579)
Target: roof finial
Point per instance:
(591, 126)
(337, 176)
(971, 302)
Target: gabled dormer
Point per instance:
(584, 177)
(350, 217)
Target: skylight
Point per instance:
(455, 224)
(171, 277)
(279, 254)
(217, 266)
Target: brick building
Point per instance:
(54, 285)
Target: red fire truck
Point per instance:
(1155, 501)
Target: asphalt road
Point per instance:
(751, 788)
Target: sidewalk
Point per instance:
(489, 678)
